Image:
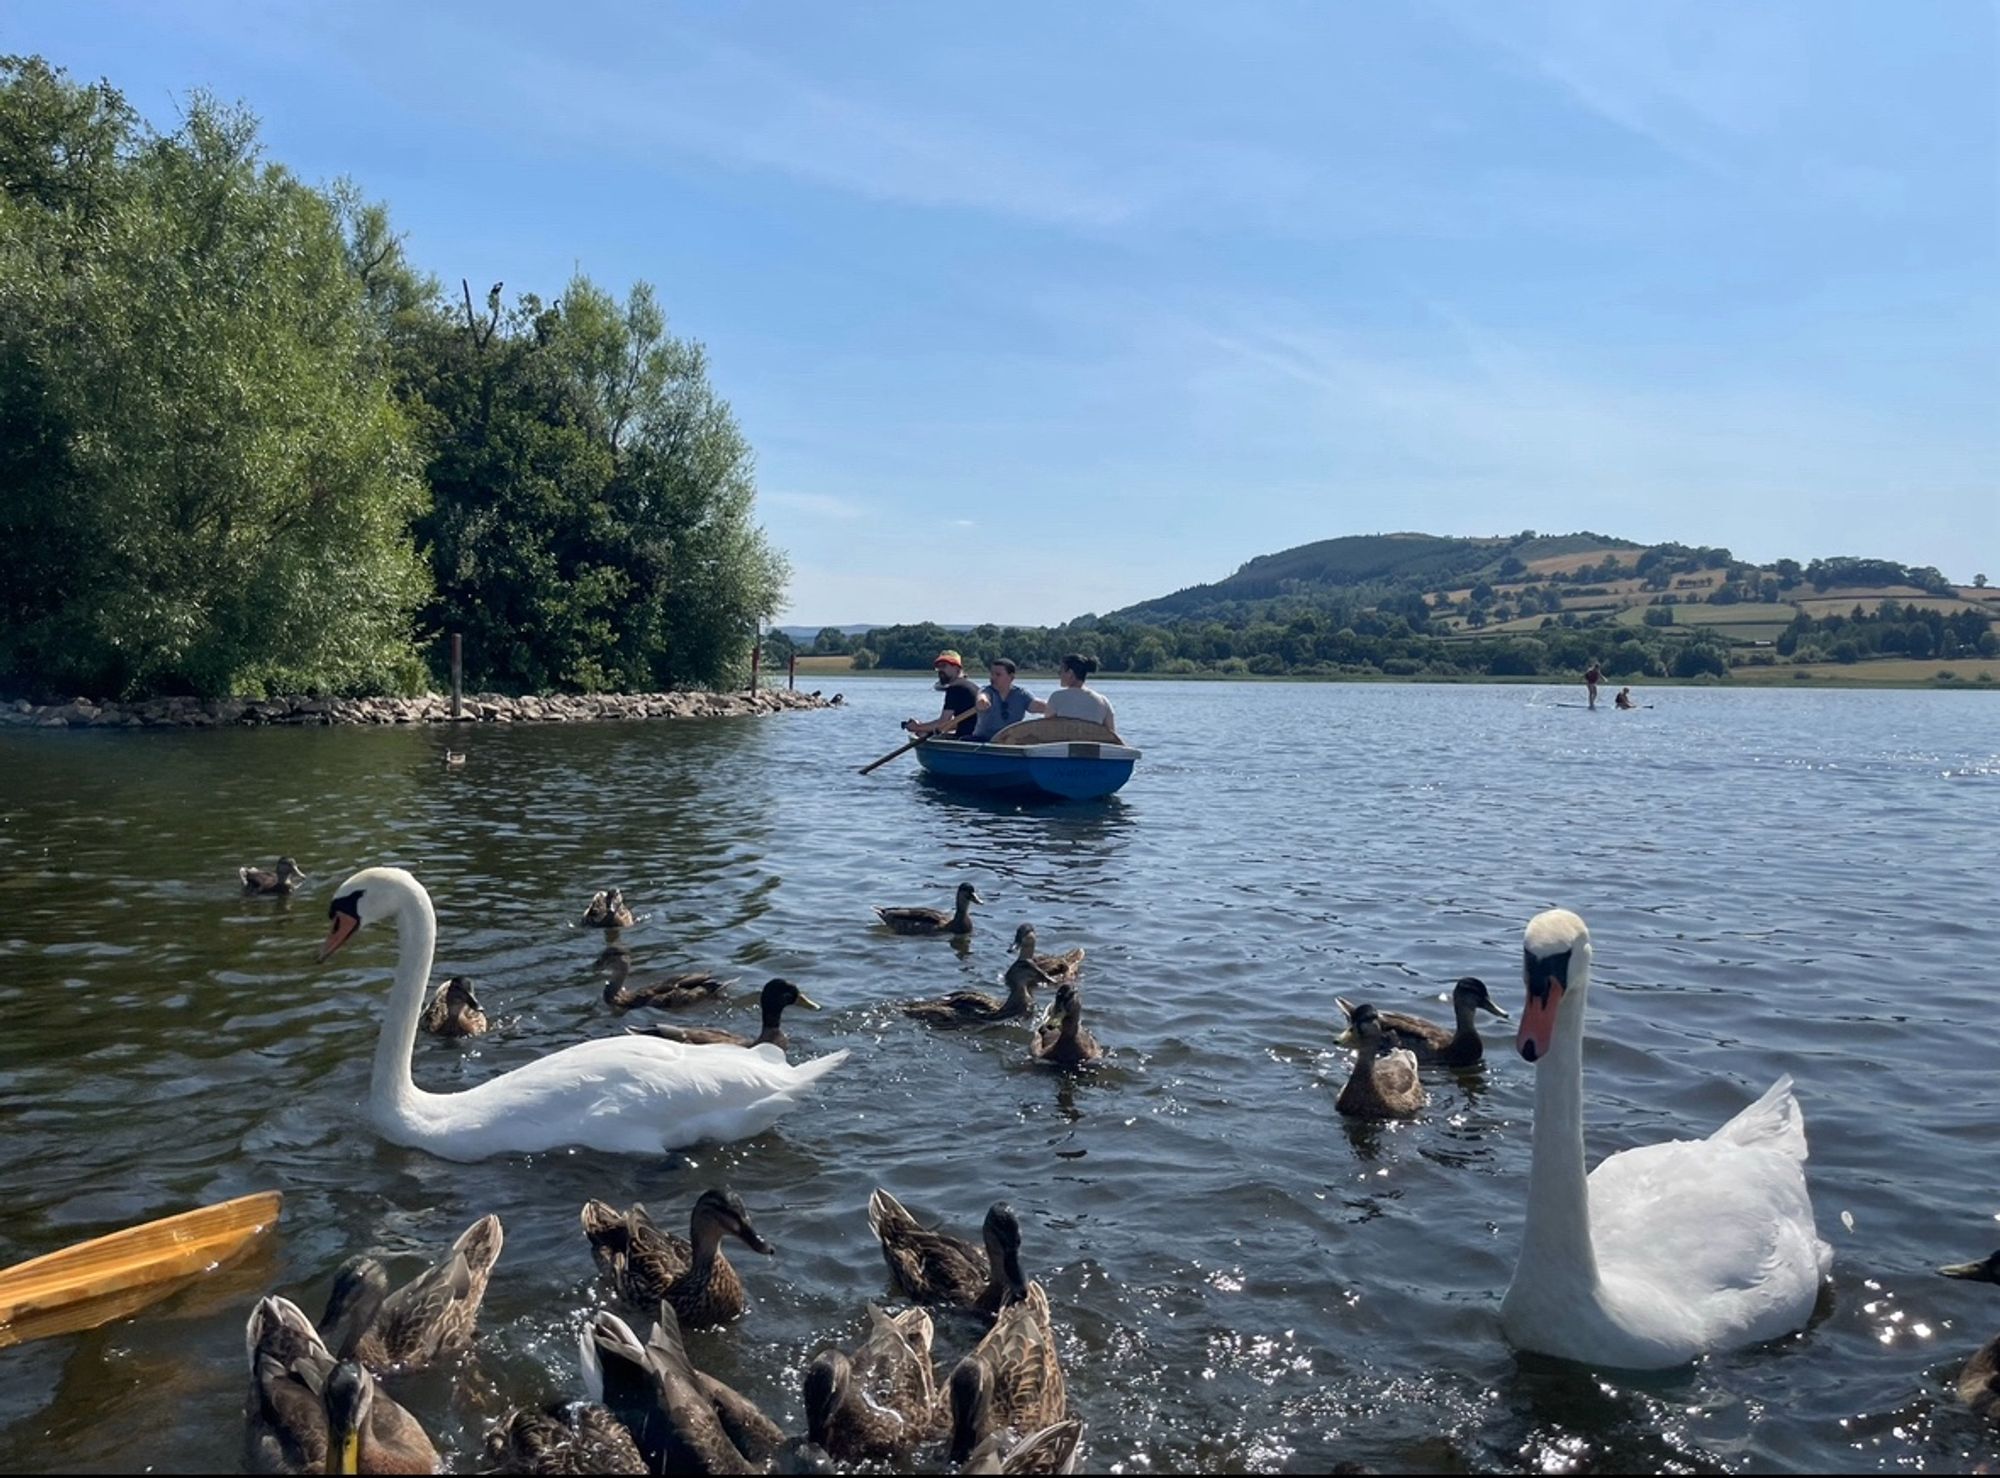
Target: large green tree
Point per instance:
(205, 483)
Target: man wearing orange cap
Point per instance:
(961, 701)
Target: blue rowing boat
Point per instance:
(1055, 768)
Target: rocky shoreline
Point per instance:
(431, 708)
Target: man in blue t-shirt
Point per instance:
(1000, 702)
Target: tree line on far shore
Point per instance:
(246, 447)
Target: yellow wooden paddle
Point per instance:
(107, 1277)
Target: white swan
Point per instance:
(1668, 1251)
(625, 1094)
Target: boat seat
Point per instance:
(1054, 731)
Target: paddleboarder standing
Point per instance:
(1592, 676)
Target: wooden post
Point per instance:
(792, 672)
(756, 660)
(457, 676)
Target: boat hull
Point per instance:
(1077, 771)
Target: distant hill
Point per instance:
(804, 635)
(1369, 567)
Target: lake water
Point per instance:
(1777, 882)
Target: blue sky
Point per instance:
(1033, 309)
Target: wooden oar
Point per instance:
(106, 1277)
(904, 750)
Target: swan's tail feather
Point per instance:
(1773, 1122)
(808, 1073)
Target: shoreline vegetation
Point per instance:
(428, 708)
(1945, 676)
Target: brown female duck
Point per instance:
(1052, 1450)
(308, 1413)
(1458, 1046)
(455, 1010)
(773, 999)
(282, 881)
(655, 1391)
(938, 1269)
(665, 994)
(1384, 1082)
(930, 920)
(563, 1440)
(648, 1265)
(607, 910)
(1055, 969)
(1013, 1378)
(1979, 1381)
(1061, 1039)
(431, 1317)
(881, 1402)
(974, 1007)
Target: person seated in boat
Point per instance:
(1624, 698)
(1000, 702)
(961, 699)
(1075, 699)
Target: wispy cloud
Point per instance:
(816, 505)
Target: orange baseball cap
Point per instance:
(943, 657)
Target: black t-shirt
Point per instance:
(962, 697)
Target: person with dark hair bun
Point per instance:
(1076, 700)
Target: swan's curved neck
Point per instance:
(1556, 1243)
(393, 1093)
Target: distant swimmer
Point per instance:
(1592, 676)
(1624, 699)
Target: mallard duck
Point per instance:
(607, 910)
(308, 1413)
(880, 1402)
(1979, 1381)
(1052, 1450)
(1061, 1038)
(776, 995)
(665, 994)
(1012, 1378)
(647, 1265)
(455, 1010)
(930, 920)
(564, 1440)
(426, 1320)
(280, 881)
(453, 757)
(974, 1007)
(1055, 969)
(1428, 1041)
(1384, 1082)
(936, 1268)
(656, 1392)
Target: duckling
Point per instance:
(930, 920)
(280, 882)
(1979, 1381)
(308, 1413)
(776, 995)
(1012, 1378)
(647, 1265)
(1061, 1038)
(426, 1320)
(1429, 1042)
(933, 1267)
(1055, 969)
(665, 994)
(563, 1440)
(607, 910)
(1384, 1082)
(880, 1402)
(1052, 1450)
(656, 1392)
(455, 1010)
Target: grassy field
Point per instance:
(1965, 673)
(824, 664)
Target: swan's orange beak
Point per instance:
(1538, 1023)
(345, 927)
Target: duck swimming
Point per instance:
(1383, 1083)
(1431, 1043)
(930, 920)
(1665, 1252)
(938, 1269)
(429, 1318)
(621, 1095)
(281, 881)
(455, 1010)
(666, 994)
(308, 1413)
(563, 1440)
(648, 1265)
(773, 999)
(1052, 1450)
(880, 1402)
(1013, 1378)
(1061, 1039)
(1979, 1381)
(664, 1402)
(607, 910)
(1055, 969)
